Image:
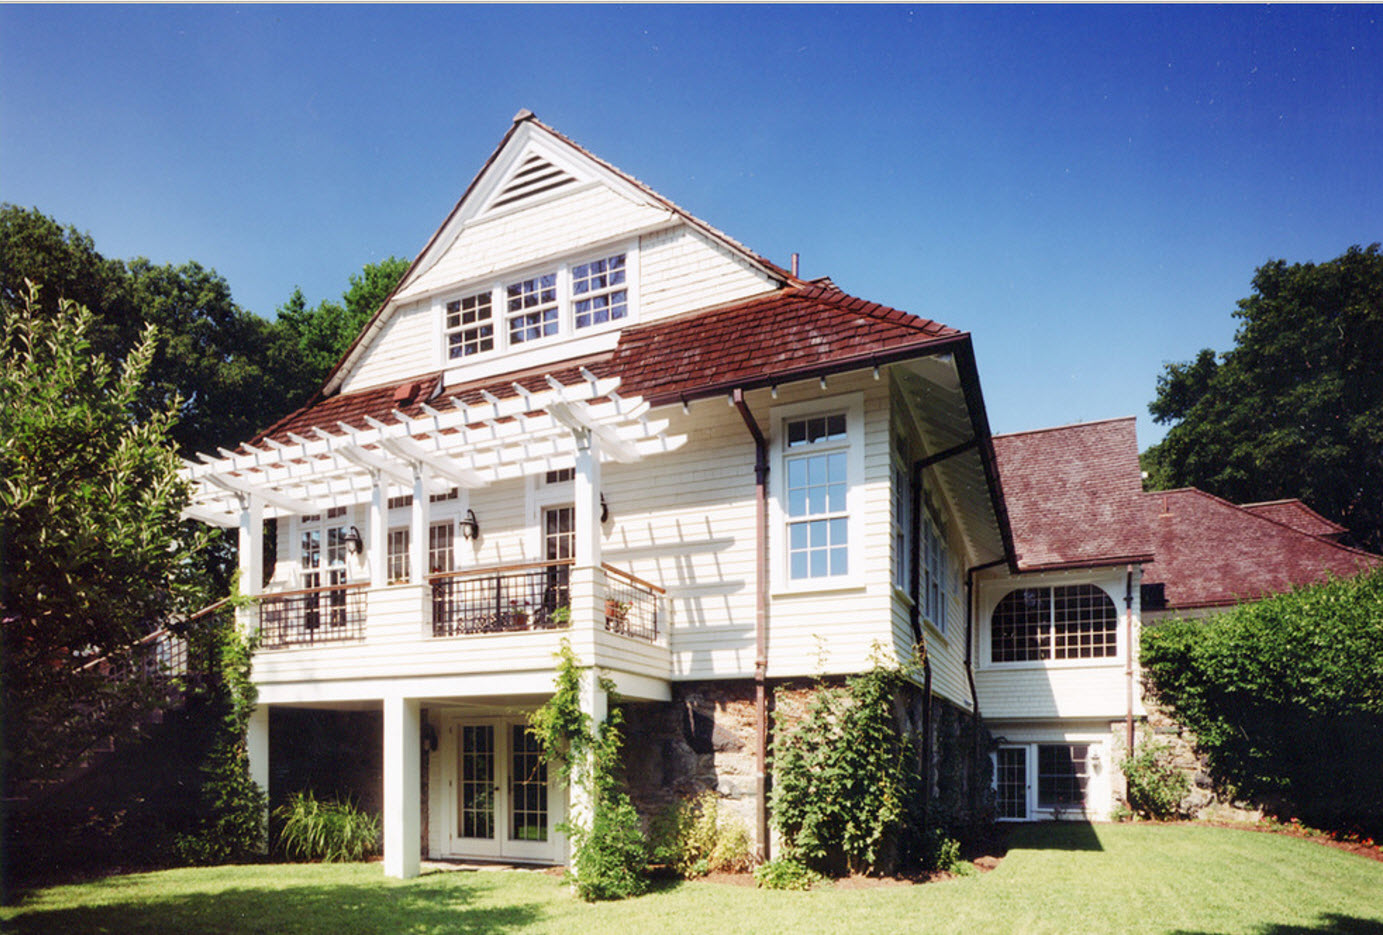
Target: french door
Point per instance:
(1011, 783)
(503, 804)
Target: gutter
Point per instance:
(760, 620)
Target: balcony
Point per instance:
(537, 596)
(312, 616)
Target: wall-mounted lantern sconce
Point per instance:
(604, 510)
(354, 544)
(470, 526)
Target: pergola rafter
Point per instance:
(451, 443)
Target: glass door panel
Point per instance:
(477, 786)
(1011, 783)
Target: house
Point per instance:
(585, 415)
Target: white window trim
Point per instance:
(566, 314)
(995, 593)
(1098, 792)
(852, 405)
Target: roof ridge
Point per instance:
(1073, 425)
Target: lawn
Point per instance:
(1072, 878)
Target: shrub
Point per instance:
(942, 852)
(694, 838)
(1155, 786)
(786, 873)
(1284, 697)
(609, 857)
(844, 774)
(328, 831)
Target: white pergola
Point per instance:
(450, 444)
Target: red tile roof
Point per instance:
(1296, 514)
(788, 334)
(1074, 495)
(1211, 553)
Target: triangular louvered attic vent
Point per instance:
(534, 176)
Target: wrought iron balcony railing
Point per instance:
(312, 615)
(503, 599)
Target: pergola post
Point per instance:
(379, 531)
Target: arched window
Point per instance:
(1068, 622)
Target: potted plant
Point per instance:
(616, 613)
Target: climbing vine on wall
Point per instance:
(609, 853)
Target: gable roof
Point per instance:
(1074, 495)
(1296, 514)
(1212, 553)
(794, 333)
(497, 184)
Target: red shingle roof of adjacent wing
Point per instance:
(788, 334)
(1211, 553)
(1296, 514)
(1074, 495)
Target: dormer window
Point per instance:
(531, 306)
(470, 327)
(570, 299)
(598, 291)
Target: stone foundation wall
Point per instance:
(1205, 801)
(704, 740)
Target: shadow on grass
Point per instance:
(303, 910)
(1054, 836)
(1331, 924)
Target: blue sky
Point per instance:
(1085, 189)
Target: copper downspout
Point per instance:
(1128, 655)
(760, 620)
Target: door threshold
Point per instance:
(474, 864)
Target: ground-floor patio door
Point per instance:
(1011, 783)
(501, 802)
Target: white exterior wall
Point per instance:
(682, 270)
(1069, 688)
(406, 348)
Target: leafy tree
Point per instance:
(1295, 409)
(221, 361)
(1285, 697)
(94, 554)
(323, 333)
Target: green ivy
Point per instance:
(845, 774)
(230, 819)
(1285, 697)
(609, 853)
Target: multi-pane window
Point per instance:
(323, 564)
(598, 291)
(815, 493)
(1011, 782)
(902, 523)
(559, 545)
(1066, 622)
(531, 308)
(1063, 771)
(441, 547)
(476, 753)
(935, 571)
(398, 562)
(527, 787)
(470, 326)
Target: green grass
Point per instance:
(1071, 878)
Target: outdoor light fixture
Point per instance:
(354, 544)
(604, 510)
(470, 527)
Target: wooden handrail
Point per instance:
(490, 570)
(632, 579)
(274, 595)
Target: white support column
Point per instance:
(595, 703)
(251, 544)
(417, 559)
(587, 598)
(379, 531)
(402, 787)
(257, 751)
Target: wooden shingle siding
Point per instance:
(535, 236)
(682, 269)
(405, 348)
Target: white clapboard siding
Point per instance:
(682, 269)
(551, 229)
(1051, 692)
(406, 347)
